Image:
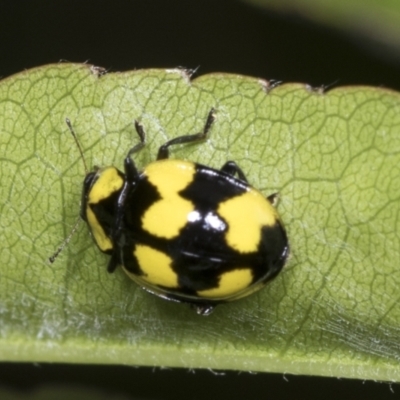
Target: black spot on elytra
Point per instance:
(210, 187)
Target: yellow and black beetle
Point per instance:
(184, 231)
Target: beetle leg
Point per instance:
(273, 199)
(130, 168)
(163, 151)
(203, 309)
(114, 262)
(233, 169)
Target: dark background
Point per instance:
(213, 36)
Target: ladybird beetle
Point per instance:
(184, 231)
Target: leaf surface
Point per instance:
(333, 157)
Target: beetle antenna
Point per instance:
(71, 129)
(65, 242)
(75, 227)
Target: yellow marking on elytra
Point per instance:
(100, 237)
(246, 214)
(108, 181)
(229, 283)
(156, 267)
(167, 216)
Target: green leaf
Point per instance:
(334, 157)
(377, 20)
